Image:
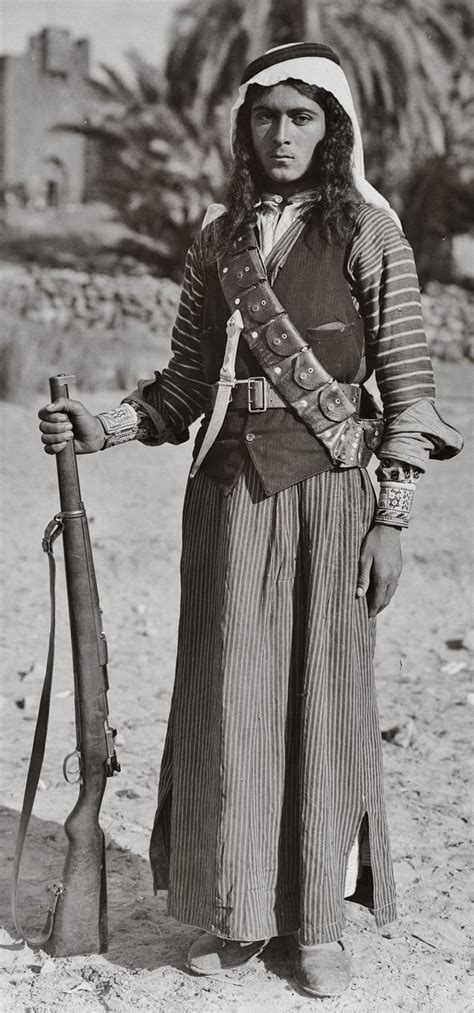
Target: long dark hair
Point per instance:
(331, 171)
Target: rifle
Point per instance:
(77, 920)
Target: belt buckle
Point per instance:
(257, 391)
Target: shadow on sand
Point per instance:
(141, 935)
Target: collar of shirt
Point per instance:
(276, 214)
(295, 200)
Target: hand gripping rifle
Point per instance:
(77, 920)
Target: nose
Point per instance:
(281, 135)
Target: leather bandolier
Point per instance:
(328, 408)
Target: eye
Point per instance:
(262, 116)
(301, 119)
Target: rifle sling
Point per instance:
(53, 530)
(289, 363)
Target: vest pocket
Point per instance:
(339, 348)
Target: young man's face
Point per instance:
(286, 127)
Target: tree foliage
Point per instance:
(438, 204)
(401, 57)
(165, 135)
(157, 167)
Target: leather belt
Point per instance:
(256, 395)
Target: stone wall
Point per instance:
(448, 311)
(67, 296)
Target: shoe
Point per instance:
(322, 972)
(213, 955)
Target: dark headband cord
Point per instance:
(296, 51)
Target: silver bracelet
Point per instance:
(395, 503)
(120, 425)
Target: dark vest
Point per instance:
(313, 288)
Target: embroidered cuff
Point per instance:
(120, 425)
(397, 488)
(394, 505)
(146, 431)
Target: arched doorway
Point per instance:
(55, 182)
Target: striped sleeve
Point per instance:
(385, 284)
(179, 395)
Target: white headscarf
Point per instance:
(322, 73)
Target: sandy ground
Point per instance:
(133, 497)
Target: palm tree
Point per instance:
(399, 56)
(439, 204)
(156, 168)
(164, 137)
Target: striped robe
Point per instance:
(272, 764)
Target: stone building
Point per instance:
(39, 89)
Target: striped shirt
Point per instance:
(384, 283)
(381, 272)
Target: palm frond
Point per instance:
(121, 90)
(165, 135)
(102, 132)
(101, 89)
(149, 81)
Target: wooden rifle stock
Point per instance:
(80, 920)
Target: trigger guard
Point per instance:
(67, 775)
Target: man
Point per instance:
(270, 808)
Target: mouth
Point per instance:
(282, 158)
